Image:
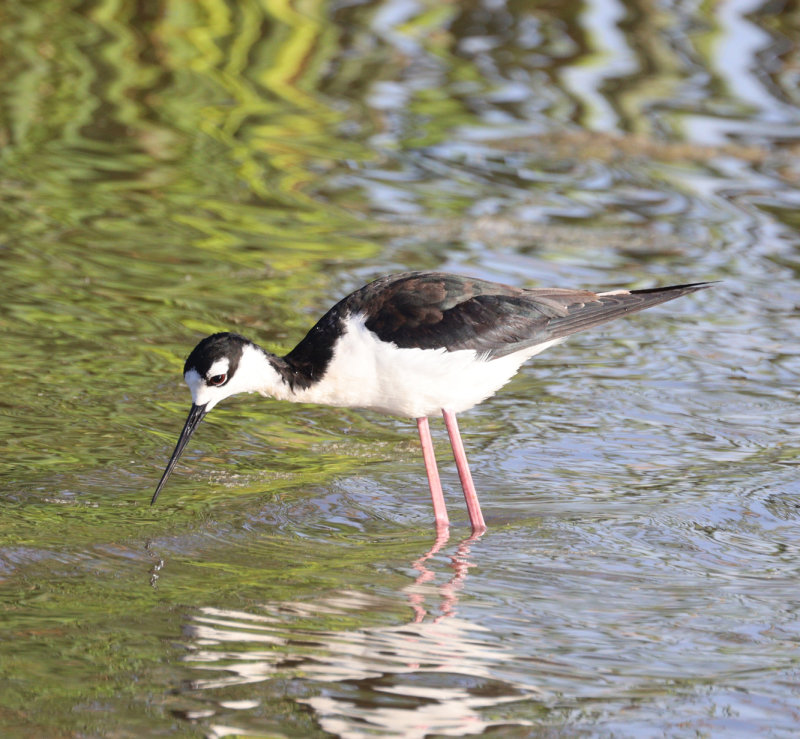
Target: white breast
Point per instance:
(366, 372)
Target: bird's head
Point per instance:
(221, 365)
(218, 368)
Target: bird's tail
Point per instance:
(615, 304)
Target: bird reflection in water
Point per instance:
(432, 675)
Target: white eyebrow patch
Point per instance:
(220, 367)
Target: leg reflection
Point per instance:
(448, 592)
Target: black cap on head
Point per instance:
(212, 348)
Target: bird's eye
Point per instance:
(217, 379)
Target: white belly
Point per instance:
(368, 373)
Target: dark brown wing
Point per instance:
(432, 310)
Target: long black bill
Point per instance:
(196, 414)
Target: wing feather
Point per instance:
(431, 310)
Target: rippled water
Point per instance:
(175, 168)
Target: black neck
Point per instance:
(297, 374)
(307, 362)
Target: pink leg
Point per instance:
(473, 507)
(439, 508)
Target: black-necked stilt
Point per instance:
(410, 344)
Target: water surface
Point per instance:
(181, 168)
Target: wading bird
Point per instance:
(411, 344)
